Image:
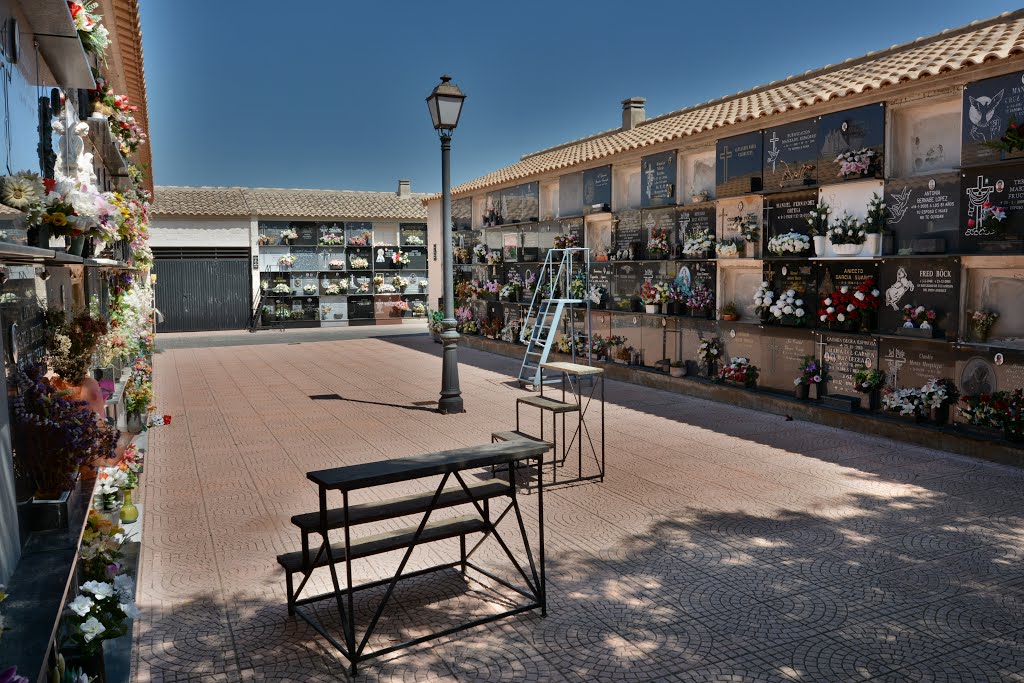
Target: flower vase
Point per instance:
(712, 371)
(750, 250)
(801, 391)
(980, 336)
(874, 400)
(664, 309)
(846, 249)
(873, 244)
(129, 513)
(939, 415)
(651, 308)
(817, 390)
(134, 422)
(819, 245)
(75, 245)
(39, 236)
(677, 371)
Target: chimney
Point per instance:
(633, 112)
(404, 189)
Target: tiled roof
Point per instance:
(951, 50)
(173, 200)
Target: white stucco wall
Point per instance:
(200, 232)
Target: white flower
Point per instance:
(850, 307)
(101, 589)
(799, 302)
(822, 317)
(787, 310)
(81, 605)
(841, 317)
(859, 296)
(91, 628)
(875, 292)
(830, 309)
(844, 289)
(21, 192)
(791, 293)
(125, 587)
(129, 609)
(828, 301)
(764, 284)
(799, 313)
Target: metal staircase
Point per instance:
(552, 296)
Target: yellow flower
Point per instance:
(58, 219)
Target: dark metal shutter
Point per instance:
(202, 289)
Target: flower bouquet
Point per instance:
(281, 288)
(709, 352)
(764, 299)
(728, 248)
(906, 402)
(265, 240)
(400, 308)
(1000, 410)
(918, 321)
(698, 245)
(494, 258)
(701, 301)
(874, 225)
(480, 253)
(653, 296)
(812, 373)
(286, 261)
(288, 235)
(789, 243)
(569, 241)
(336, 264)
(360, 240)
(750, 228)
(937, 395)
(491, 289)
(400, 283)
(336, 288)
(400, 259)
(869, 381)
(414, 241)
(860, 163)
(848, 309)
(990, 222)
(386, 289)
(982, 322)
(739, 371)
(332, 239)
(309, 289)
(359, 263)
(789, 309)
(657, 245)
(461, 255)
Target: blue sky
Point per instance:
(330, 94)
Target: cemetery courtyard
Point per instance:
(724, 544)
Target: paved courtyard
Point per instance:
(724, 544)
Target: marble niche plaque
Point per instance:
(844, 354)
(597, 190)
(849, 131)
(629, 235)
(570, 194)
(933, 283)
(690, 222)
(783, 351)
(659, 219)
(602, 275)
(923, 209)
(799, 276)
(462, 214)
(787, 212)
(658, 179)
(1003, 185)
(743, 342)
(791, 156)
(576, 228)
(988, 107)
(628, 278)
(988, 372)
(738, 165)
(308, 233)
(908, 363)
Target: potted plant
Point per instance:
(870, 381)
(709, 352)
(817, 222)
(138, 395)
(729, 312)
(937, 395)
(434, 324)
(982, 323)
(739, 371)
(613, 344)
(624, 354)
(678, 295)
(874, 225)
(813, 374)
(847, 236)
(677, 368)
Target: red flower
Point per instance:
(987, 205)
(49, 184)
(75, 9)
(970, 222)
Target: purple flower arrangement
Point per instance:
(53, 435)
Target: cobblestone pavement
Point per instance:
(724, 544)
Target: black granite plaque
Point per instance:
(693, 273)
(924, 208)
(850, 131)
(661, 220)
(512, 204)
(781, 353)
(462, 213)
(911, 363)
(629, 236)
(791, 156)
(493, 208)
(658, 179)
(597, 189)
(305, 258)
(832, 275)
(529, 202)
(788, 212)
(575, 227)
(988, 107)
(738, 165)
(417, 258)
(357, 228)
(799, 276)
(570, 194)
(307, 231)
(628, 277)
(690, 222)
(1003, 186)
(930, 282)
(602, 275)
(844, 354)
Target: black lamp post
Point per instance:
(445, 105)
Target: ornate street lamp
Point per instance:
(445, 105)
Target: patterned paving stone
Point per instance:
(725, 545)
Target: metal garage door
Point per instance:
(203, 289)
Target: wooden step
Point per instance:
(545, 403)
(382, 543)
(515, 435)
(416, 503)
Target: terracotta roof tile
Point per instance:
(173, 200)
(951, 50)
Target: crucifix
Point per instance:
(773, 347)
(725, 156)
(773, 153)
